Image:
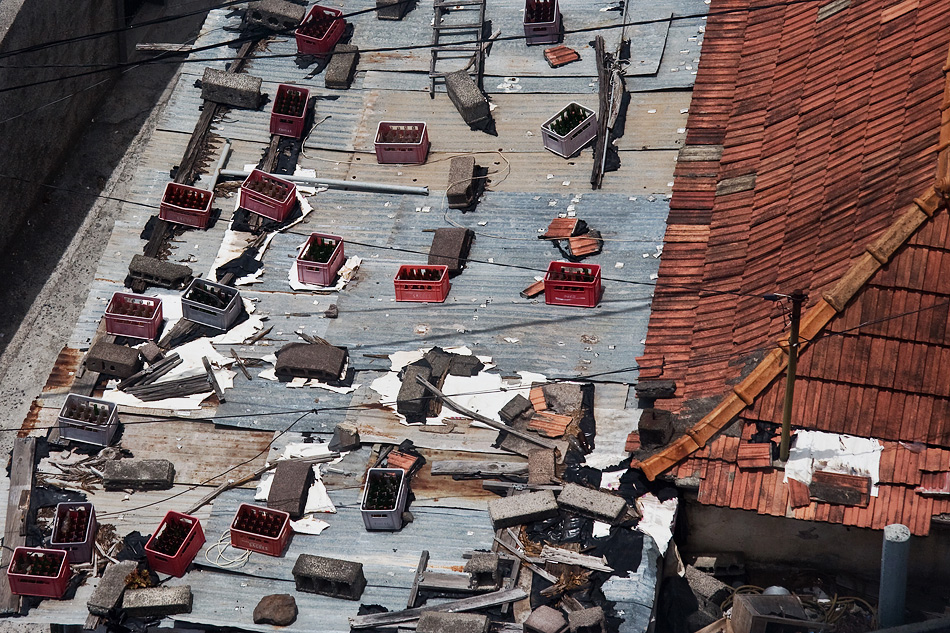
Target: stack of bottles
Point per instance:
(569, 118)
(290, 102)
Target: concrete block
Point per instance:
(233, 89)
(110, 588)
(311, 360)
(466, 366)
(157, 602)
(138, 474)
(461, 187)
(413, 398)
(522, 508)
(467, 98)
(587, 621)
(655, 427)
(515, 407)
(113, 360)
(279, 609)
(329, 577)
(441, 622)
(705, 586)
(450, 247)
(654, 389)
(391, 9)
(155, 272)
(545, 619)
(342, 67)
(276, 15)
(595, 504)
(541, 465)
(151, 352)
(485, 569)
(563, 397)
(346, 437)
(440, 361)
(290, 487)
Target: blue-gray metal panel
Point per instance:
(677, 70)
(635, 595)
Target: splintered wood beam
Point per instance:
(492, 599)
(18, 510)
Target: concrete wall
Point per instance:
(823, 546)
(35, 139)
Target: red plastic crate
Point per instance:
(320, 274)
(401, 142)
(175, 564)
(132, 315)
(422, 283)
(276, 203)
(76, 540)
(570, 284)
(289, 113)
(186, 205)
(25, 583)
(320, 30)
(249, 529)
(542, 22)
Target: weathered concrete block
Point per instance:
(461, 187)
(346, 437)
(450, 248)
(138, 474)
(290, 486)
(654, 389)
(279, 609)
(413, 398)
(151, 352)
(465, 365)
(110, 588)
(515, 407)
(311, 360)
(467, 98)
(595, 504)
(545, 619)
(276, 15)
(329, 576)
(485, 569)
(441, 622)
(706, 586)
(157, 602)
(233, 89)
(391, 9)
(587, 621)
(563, 397)
(342, 67)
(541, 464)
(655, 427)
(113, 360)
(523, 508)
(155, 272)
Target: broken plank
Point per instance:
(567, 557)
(456, 468)
(492, 599)
(18, 509)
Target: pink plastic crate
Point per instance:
(132, 315)
(320, 273)
(192, 538)
(25, 581)
(268, 195)
(74, 530)
(186, 205)
(260, 529)
(401, 142)
(320, 30)
(422, 283)
(289, 113)
(542, 22)
(570, 284)
(570, 142)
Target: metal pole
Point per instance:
(797, 298)
(893, 588)
(351, 185)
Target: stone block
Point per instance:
(450, 247)
(655, 389)
(138, 474)
(151, 352)
(563, 397)
(113, 360)
(342, 67)
(465, 365)
(522, 508)
(545, 619)
(275, 15)
(705, 586)
(515, 407)
(233, 89)
(391, 9)
(442, 622)
(157, 602)
(655, 427)
(413, 398)
(290, 487)
(587, 621)
(329, 576)
(541, 464)
(279, 609)
(110, 588)
(467, 98)
(311, 360)
(595, 504)
(460, 192)
(346, 437)
(485, 569)
(155, 272)
(441, 362)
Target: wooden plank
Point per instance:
(457, 468)
(420, 571)
(18, 510)
(455, 606)
(840, 489)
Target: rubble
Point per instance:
(515, 408)
(329, 577)
(544, 619)
(279, 609)
(157, 602)
(587, 621)
(523, 508)
(138, 474)
(346, 437)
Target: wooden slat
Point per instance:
(18, 509)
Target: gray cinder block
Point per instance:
(595, 504)
(110, 588)
(113, 360)
(311, 360)
(391, 9)
(290, 487)
(523, 508)
(155, 272)
(346, 437)
(485, 569)
(450, 248)
(157, 602)
(441, 622)
(541, 466)
(276, 15)
(515, 407)
(461, 189)
(329, 576)
(587, 621)
(654, 389)
(467, 98)
(413, 398)
(545, 619)
(233, 89)
(339, 72)
(138, 474)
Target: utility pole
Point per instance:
(797, 298)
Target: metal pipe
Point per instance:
(346, 185)
(893, 587)
(219, 166)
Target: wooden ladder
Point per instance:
(457, 34)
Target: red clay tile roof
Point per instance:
(807, 144)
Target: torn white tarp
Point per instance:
(317, 499)
(831, 452)
(657, 519)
